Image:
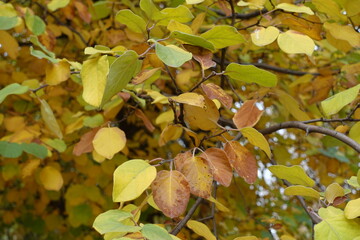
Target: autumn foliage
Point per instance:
(180, 119)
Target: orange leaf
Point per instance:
(85, 145)
(171, 192)
(242, 160)
(202, 55)
(214, 91)
(198, 173)
(140, 114)
(144, 75)
(219, 165)
(248, 115)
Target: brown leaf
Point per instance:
(202, 55)
(248, 115)
(180, 158)
(140, 114)
(198, 173)
(219, 165)
(83, 11)
(214, 91)
(144, 75)
(242, 160)
(85, 145)
(171, 192)
(224, 6)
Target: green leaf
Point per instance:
(149, 8)
(352, 209)
(80, 214)
(192, 40)
(256, 139)
(154, 232)
(7, 23)
(50, 121)
(353, 181)
(293, 174)
(109, 221)
(131, 179)
(56, 4)
(121, 71)
(94, 74)
(172, 55)
(335, 226)
(223, 36)
(302, 191)
(34, 40)
(58, 144)
(13, 88)
(10, 150)
(35, 149)
(101, 9)
(181, 14)
(251, 74)
(41, 55)
(34, 23)
(134, 22)
(336, 102)
(94, 121)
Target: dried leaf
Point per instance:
(214, 91)
(248, 115)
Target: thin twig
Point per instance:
(178, 91)
(243, 16)
(37, 89)
(187, 217)
(212, 74)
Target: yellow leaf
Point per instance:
(190, 98)
(333, 191)
(176, 26)
(330, 7)
(94, 74)
(264, 36)
(193, 1)
(343, 32)
(165, 117)
(352, 209)
(109, 141)
(97, 157)
(49, 119)
(293, 42)
(200, 229)
(131, 179)
(292, 106)
(57, 72)
(256, 139)
(51, 178)
(171, 132)
(302, 191)
(288, 7)
(218, 204)
(152, 203)
(252, 4)
(29, 167)
(294, 174)
(9, 45)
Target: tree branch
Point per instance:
(242, 16)
(311, 128)
(183, 221)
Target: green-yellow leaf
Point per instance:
(51, 178)
(256, 139)
(331, 8)
(49, 118)
(154, 232)
(7, 23)
(336, 102)
(354, 132)
(110, 221)
(353, 181)
(292, 106)
(134, 22)
(264, 36)
(333, 191)
(176, 26)
(149, 8)
(13, 88)
(335, 226)
(352, 209)
(193, 99)
(288, 7)
(34, 23)
(121, 71)
(294, 174)
(200, 229)
(251, 74)
(192, 39)
(293, 42)
(58, 144)
(109, 141)
(131, 179)
(94, 74)
(194, 1)
(223, 36)
(56, 4)
(302, 191)
(218, 204)
(181, 14)
(172, 55)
